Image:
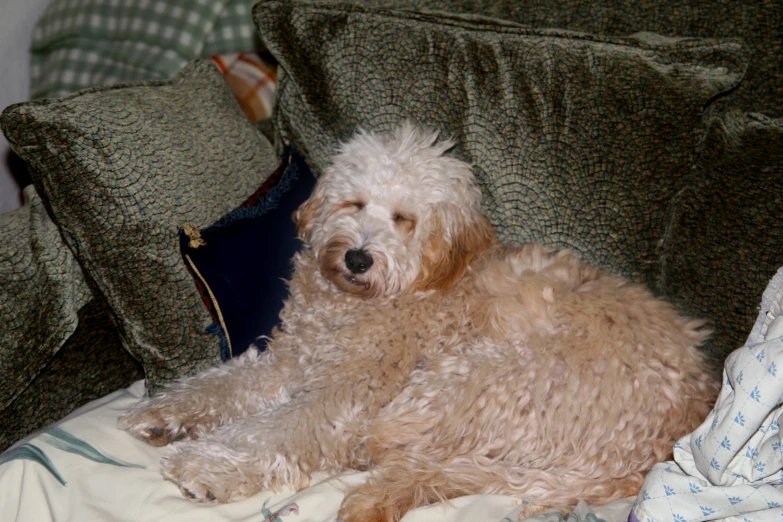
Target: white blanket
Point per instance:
(84, 469)
(731, 467)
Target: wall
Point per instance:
(17, 19)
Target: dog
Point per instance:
(417, 346)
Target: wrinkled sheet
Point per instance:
(84, 468)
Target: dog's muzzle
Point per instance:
(358, 261)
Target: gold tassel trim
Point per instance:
(219, 313)
(194, 235)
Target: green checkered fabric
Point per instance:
(233, 30)
(84, 43)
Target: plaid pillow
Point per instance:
(251, 76)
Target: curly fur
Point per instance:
(454, 365)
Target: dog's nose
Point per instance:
(358, 261)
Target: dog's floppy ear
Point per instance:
(451, 248)
(306, 214)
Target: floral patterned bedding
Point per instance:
(84, 468)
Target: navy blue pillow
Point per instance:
(240, 264)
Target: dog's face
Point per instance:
(393, 214)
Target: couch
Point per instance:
(646, 136)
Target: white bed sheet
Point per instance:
(85, 469)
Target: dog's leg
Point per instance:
(467, 426)
(405, 481)
(411, 469)
(429, 444)
(190, 407)
(401, 482)
(318, 430)
(237, 460)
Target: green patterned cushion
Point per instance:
(58, 347)
(121, 168)
(577, 141)
(42, 289)
(757, 24)
(90, 364)
(726, 239)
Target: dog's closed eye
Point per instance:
(350, 205)
(404, 221)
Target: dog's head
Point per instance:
(392, 214)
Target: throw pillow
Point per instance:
(577, 140)
(242, 262)
(120, 169)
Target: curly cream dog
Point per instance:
(415, 345)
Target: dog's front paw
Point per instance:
(159, 422)
(205, 473)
